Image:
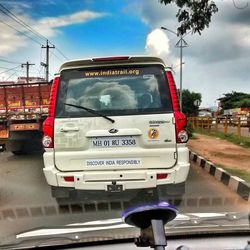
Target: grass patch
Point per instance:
(231, 156)
(241, 141)
(240, 173)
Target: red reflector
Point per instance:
(53, 95)
(69, 178)
(173, 91)
(115, 58)
(161, 176)
(180, 119)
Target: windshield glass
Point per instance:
(116, 91)
(162, 116)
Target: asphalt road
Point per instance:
(25, 200)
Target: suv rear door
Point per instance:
(136, 97)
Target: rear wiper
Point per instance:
(92, 111)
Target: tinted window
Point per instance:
(114, 91)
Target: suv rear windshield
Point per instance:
(113, 91)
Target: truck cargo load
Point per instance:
(23, 108)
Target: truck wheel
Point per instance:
(2, 148)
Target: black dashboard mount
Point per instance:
(151, 219)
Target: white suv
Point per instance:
(115, 125)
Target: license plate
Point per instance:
(114, 188)
(107, 142)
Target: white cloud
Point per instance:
(11, 40)
(48, 25)
(157, 44)
(215, 62)
(155, 14)
(244, 36)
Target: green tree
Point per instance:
(188, 99)
(234, 100)
(193, 15)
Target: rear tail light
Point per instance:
(180, 127)
(47, 142)
(48, 132)
(161, 176)
(182, 136)
(48, 124)
(180, 118)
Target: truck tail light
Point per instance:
(48, 124)
(180, 118)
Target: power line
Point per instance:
(9, 69)
(28, 28)
(60, 52)
(8, 61)
(11, 76)
(21, 22)
(56, 57)
(7, 12)
(41, 60)
(21, 32)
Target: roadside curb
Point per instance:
(235, 183)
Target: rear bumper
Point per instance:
(168, 192)
(127, 179)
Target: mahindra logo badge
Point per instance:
(113, 131)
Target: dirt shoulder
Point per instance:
(221, 152)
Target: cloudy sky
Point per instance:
(216, 62)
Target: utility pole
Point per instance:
(180, 44)
(27, 65)
(46, 65)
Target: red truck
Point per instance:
(23, 108)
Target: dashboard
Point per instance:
(200, 243)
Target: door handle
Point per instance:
(69, 129)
